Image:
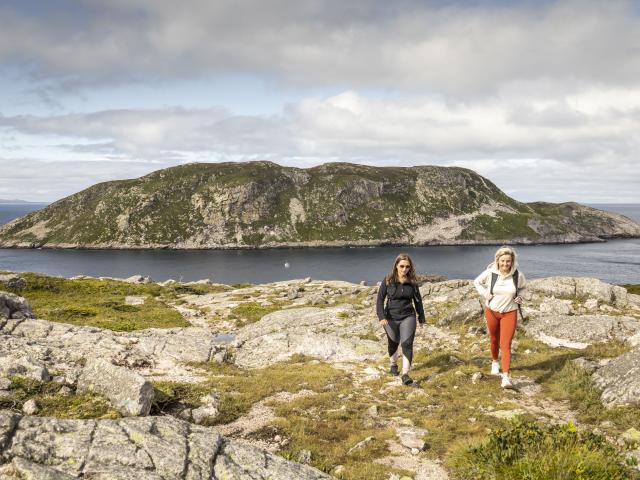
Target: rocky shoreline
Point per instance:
(318, 244)
(309, 329)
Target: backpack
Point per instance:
(515, 277)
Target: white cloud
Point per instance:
(452, 48)
(580, 147)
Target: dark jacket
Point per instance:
(401, 298)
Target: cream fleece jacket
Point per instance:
(503, 291)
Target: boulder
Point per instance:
(564, 287)
(12, 281)
(584, 329)
(594, 288)
(128, 391)
(467, 311)
(13, 306)
(619, 380)
(332, 334)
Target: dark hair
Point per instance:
(392, 276)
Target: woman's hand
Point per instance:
(518, 299)
(383, 322)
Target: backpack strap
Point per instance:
(516, 276)
(494, 279)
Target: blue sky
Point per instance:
(543, 98)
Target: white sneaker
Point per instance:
(506, 381)
(495, 367)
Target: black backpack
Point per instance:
(515, 277)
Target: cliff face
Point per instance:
(261, 204)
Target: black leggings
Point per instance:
(401, 332)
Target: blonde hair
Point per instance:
(392, 276)
(504, 250)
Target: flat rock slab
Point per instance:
(330, 334)
(582, 329)
(152, 352)
(147, 448)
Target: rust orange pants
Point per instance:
(502, 327)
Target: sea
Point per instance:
(615, 261)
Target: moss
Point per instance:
(98, 303)
(635, 289)
(51, 403)
(251, 312)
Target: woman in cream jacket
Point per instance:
(501, 307)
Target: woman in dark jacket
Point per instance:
(398, 317)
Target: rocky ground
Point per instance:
(289, 380)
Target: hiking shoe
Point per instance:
(506, 381)
(406, 379)
(495, 367)
(393, 370)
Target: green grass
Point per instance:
(525, 450)
(51, 403)
(575, 385)
(631, 288)
(251, 312)
(240, 389)
(99, 303)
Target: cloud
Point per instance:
(577, 147)
(454, 48)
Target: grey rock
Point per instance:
(292, 294)
(12, 281)
(587, 365)
(584, 329)
(138, 279)
(158, 352)
(128, 391)
(5, 383)
(30, 407)
(208, 411)
(594, 288)
(591, 305)
(476, 377)
(619, 380)
(564, 287)
(14, 306)
(467, 311)
(556, 306)
(244, 462)
(318, 300)
(360, 445)
(304, 456)
(205, 414)
(325, 333)
(477, 330)
(133, 300)
(135, 448)
(411, 437)
(21, 469)
(23, 366)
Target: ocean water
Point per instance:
(616, 261)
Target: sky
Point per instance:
(540, 97)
